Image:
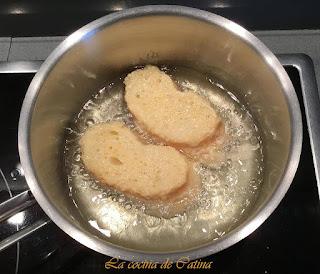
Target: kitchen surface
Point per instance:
(287, 242)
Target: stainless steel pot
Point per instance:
(156, 34)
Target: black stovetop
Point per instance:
(287, 242)
(60, 18)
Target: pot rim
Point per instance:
(225, 241)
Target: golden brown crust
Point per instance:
(210, 152)
(179, 201)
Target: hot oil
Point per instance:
(228, 190)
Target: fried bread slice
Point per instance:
(178, 118)
(116, 157)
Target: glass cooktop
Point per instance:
(287, 242)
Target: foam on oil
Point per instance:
(228, 189)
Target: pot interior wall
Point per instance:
(101, 55)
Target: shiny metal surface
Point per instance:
(156, 34)
(16, 204)
(303, 63)
(20, 66)
(23, 233)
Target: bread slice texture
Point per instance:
(182, 200)
(117, 157)
(178, 118)
(211, 152)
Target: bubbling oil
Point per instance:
(228, 190)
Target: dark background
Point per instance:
(51, 18)
(288, 242)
